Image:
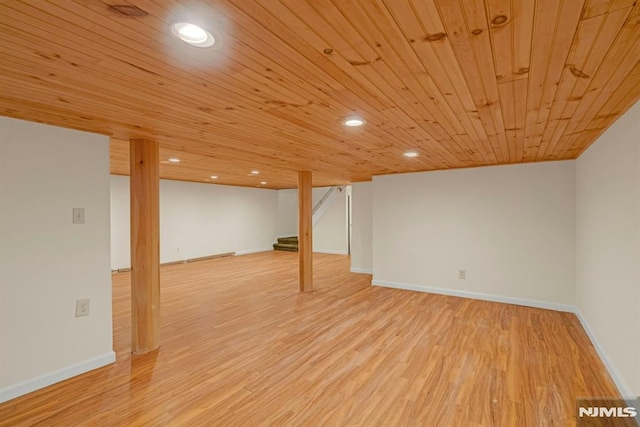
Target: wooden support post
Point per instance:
(305, 228)
(145, 246)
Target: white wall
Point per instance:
(330, 233)
(361, 247)
(287, 213)
(510, 227)
(120, 222)
(608, 247)
(46, 262)
(199, 220)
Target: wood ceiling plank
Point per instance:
(246, 88)
(145, 119)
(238, 155)
(436, 76)
(619, 60)
(623, 99)
(453, 17)
(523, 20)
(585, 69)
(276, 179)
(302, 82)
(236, 83)
(286, 36)
(501, 37)
(507, 102)
(545, 25)
(585, 36)
(568, 20)
(412, 72)
(382, 77)
(595, 8)
(448, 79)
(414, 127)
(480, 25)
(520, 90)
(156, 66)
(410, 126)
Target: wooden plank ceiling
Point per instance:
(464, 83)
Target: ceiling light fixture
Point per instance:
(192, 34)
(411, 154)
(174, 160)
(354, 121)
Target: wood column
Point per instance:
(305, 228)
(145, 246)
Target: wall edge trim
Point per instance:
(477, 295)
(33, 384)
(623, 388)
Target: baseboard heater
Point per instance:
(183, 261)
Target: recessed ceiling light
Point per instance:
(174, 160)
(264, 183)
(255, 172)
(192, 34)
(354, 121)
(411, 154)
(214, 176)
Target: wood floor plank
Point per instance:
(242, 346)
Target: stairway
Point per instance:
(286, 244)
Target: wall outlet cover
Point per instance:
(82, 307)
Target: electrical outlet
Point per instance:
(177, 249)
(462, 274)
(82, 307)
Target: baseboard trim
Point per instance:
(620, 383)
(476, 295)
(361, 270)
(204, 258)
(328, 251)
(37, 383)
(254, 251)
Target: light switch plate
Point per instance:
(78, 215)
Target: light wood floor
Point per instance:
(242, 347)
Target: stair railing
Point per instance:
(323, 205)
(324, 198)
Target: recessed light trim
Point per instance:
(411, 154)
(354, 121)
(192, 34)
(174, 160)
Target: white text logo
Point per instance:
(602, 411)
